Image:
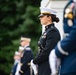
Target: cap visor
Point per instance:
(40, 15)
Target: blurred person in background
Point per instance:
(16, 61)
(26, 57)
(21, 49)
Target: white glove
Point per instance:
(54, 62)
(34, 67)
(17, 69)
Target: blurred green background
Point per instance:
(17, 17)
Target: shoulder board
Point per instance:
(28, 48)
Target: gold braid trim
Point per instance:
(21, 71)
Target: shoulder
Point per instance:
(28, 49)
(54, 29)
(53, 32)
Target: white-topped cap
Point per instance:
(47, 11)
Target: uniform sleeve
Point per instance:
(51, 41)
(67, 45)
(27, 58)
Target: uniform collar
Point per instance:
(48, 26)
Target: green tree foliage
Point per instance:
(17, 17)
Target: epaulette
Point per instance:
(28, 48)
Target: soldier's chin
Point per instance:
(74, 0)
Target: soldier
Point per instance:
(16, 61)
(47, 41)
(65, 51)
(27, 56)
(21, 49)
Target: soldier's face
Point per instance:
(17, 57)
(44, 20)
(24, 43)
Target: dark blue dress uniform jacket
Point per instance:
(66, 50)
(27, 57)
(46, 43)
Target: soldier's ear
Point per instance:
(49, 17)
